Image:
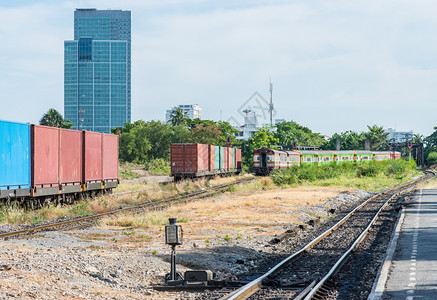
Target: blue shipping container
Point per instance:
(14, 155)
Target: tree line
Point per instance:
(142, 142)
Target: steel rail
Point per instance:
(155, 204)
(342, 259)
(252, 287)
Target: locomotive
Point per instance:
(265, 159)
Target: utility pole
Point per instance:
(271, 103)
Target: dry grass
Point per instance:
(241, 212)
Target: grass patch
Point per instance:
(127, 175)
(371, 176)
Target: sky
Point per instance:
(334, 65)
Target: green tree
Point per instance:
(377, 138)
(349, 140)
(289, 132)
(432, 158)
(53, 118)
(264, 138)
(177, 117)
(134, 144)
(205, 134)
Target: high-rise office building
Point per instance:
(192, 111)
(97, 70)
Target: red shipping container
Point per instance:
(238, 158)
(189, 158)
(70, 154)
(211, 157)
(93, 156)
(45, 156)
(110, 157)
(226, 155)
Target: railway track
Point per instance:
(307, 273)
(89, 220)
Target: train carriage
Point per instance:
(344, 156)
(266, 160)
(307, 157)
(325, 157)
(381, 155)
(363, 155)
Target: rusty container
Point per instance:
(110, 157)
(45, 156)
(70, 156)
(238, 158)
(189, 158)
(204, 157)
(211, 157)
(226, 158)
(92, 156)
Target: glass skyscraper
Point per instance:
(97, 70)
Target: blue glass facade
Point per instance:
(97, 70)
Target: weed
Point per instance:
(154, 252)
(114, 239)
(239, 236)
(227, 238)
(207, 241)
(125, 232)
(231, 188)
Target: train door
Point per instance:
(263, 163)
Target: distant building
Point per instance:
(398, 136)
(97, 70)
(192, 111)
(251, 126)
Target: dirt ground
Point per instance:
(227, 234)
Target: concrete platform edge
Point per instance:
(381, 278)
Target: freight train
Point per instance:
(200, 160)
(265, 159)
(40, 164)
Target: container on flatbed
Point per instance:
(110, 157)
(15, 159)
(189, 159)
(45, 157)
(92, 157)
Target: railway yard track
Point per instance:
(85, 221)
(340, 263)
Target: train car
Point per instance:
(395, 155)
(307, 157)
(190, 160)
(15, 160)
(363, 155)
(266, 160)
(381, 155)
(41, 163)
(344, 156)
(325, 157)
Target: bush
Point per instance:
(296, 174)
(432, 158)
(158, 166)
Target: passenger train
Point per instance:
(265, 159)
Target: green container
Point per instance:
(222, 158)
(217, 157)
